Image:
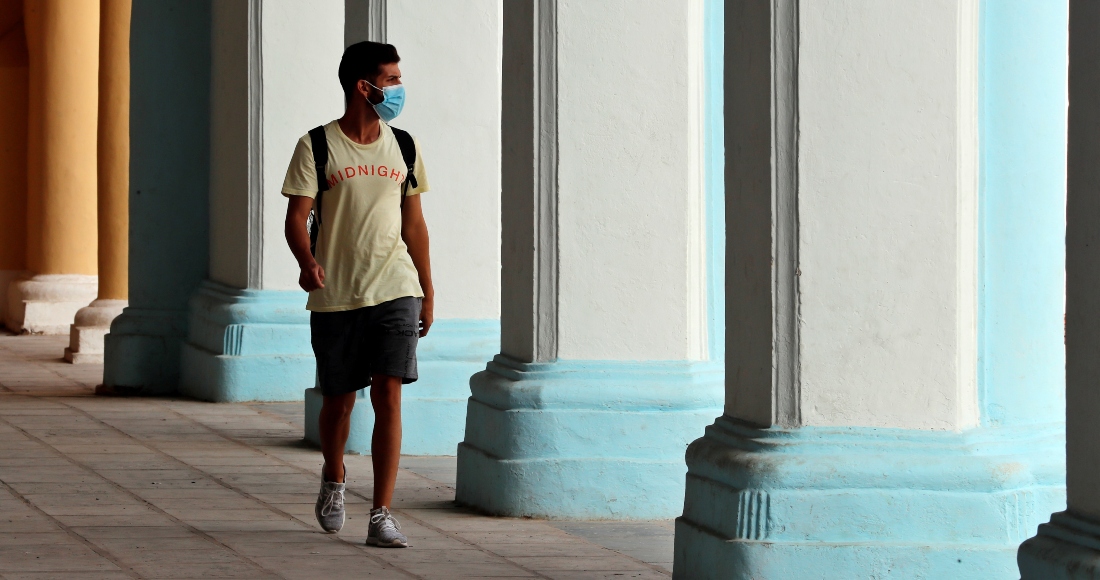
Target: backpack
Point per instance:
(320, 161)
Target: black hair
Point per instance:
(361, 61)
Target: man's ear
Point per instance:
(365, 90)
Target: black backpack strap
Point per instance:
(408, 153)
(319, 142)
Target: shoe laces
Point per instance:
(383, 518)
(334, 501)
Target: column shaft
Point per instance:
(65, 51)
(169, 185)
(272, 79)
(63, 41)
(604, 371)
(93, 321)
(1068, 547)
(14, 93)
(114, 149)
(856, 439)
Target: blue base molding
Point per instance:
(1067, 548)
(141, 352)
(584, 439)
(433, 409)
(844, 503)
(247, 345)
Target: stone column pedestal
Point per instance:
(86, 334)
(893, 378)
(47, 303)
(605, 367)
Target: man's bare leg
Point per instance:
(385, 444)
(335, 425)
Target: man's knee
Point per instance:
(340, 405)
(385, 392)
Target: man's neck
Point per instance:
(361, 124)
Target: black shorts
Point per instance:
(352, 345)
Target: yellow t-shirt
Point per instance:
(359, 245)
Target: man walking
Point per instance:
(370, 284)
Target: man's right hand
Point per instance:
(312, 277)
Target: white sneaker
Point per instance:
(330, 506)
(382, 531)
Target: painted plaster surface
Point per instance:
(450, 62)
(113, 211)
(630, 181)
(879, 251)
(169, 181)
(231, 114)
(301, 44)
(63, 43)
(1023, 107)
(14, 78)
(583, 439)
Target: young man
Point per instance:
(370, 286)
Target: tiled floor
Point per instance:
(105, 488)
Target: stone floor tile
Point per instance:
(67, 575)
(154, 544)
(605, 575)
(283, 525)
(151, 519)
(94, 532)
(447, 570)
(68, 556)
(571, 548)
(8, 539)
(332, 568)
(583, 562)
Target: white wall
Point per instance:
(269, 86)
(302, 44)
(450, 62)
(630, 222)
(886, 198)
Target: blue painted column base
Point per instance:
(1067, 548)
(141, 352)
(433, 409)
(842, 503)
(583, 439)
(247, 345)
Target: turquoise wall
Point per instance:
(169, 176)
(1021, 370)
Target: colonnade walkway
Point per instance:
(106, 487)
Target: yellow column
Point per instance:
(94, 321)
(114, 149)
(13, 147)
(63, 45)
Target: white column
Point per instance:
(853, 442)
(273, 77)
(602, 376)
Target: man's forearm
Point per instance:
(298, 239)
(417, 242)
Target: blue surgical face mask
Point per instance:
(393, 100)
